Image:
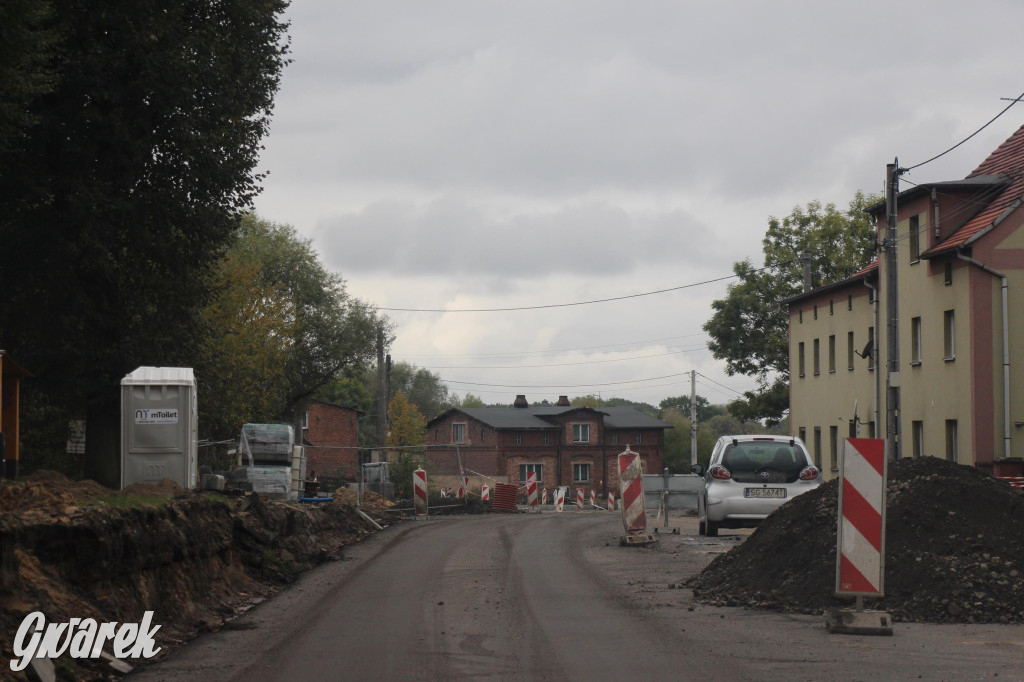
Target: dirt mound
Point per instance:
(371, 501)
(48, 490)
(954, 551)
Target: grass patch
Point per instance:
(118, 501)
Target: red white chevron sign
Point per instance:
(631, 488)
(860, 555)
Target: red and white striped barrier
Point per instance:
(579, 498)
(485, 493)
(631, 487)
(593, 498)
(861, 531)
(444, 493)
(463, 488)
(559, 499)
(1015, 481)
(531, 489)
(611, 501)
(544, 496)
(419, 487)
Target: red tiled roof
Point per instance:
(1008, 160)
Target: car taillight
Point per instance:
(720, 472)
(809, 474)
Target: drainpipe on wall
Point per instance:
(1007, 451)
(874, 357)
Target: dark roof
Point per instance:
(621, 417)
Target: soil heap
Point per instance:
(80, 550)
(954, 551)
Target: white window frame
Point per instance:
(949, 335)
(458, 432)
(579, 431)
(526, 468)
(916, 339)
(579, 466)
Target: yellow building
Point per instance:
(960, 283)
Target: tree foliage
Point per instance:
(127, 158)
(749, 327)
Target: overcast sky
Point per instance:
(472, 154)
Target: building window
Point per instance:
(817, 447)
(915, 239)
(948, 276)
(526, 469)
(815, 311)
(581, 472)
(581, 433)
(917, 438)
(915, 341)
(615, 439)
(803, 433)
(832, 354)
(800, 316)
(305, 420)
(800, 357)
(458, 433)
(952, 444)
(831, 307)
(849, 351)
(948, 336)
(849, 302)
(833, 447)
(871, 348)
(519, 439)
(547, 439)
(817, 357)
(639, 438)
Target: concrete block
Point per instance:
(854, 622)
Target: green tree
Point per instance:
(681, 403)
(749, 327)
(424, 389)
(470, 400)
(331, 333)
(133, 157)
(407, 430)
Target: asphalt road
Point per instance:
(554, 597)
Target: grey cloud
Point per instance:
(450, 236)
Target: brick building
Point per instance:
(562, 444)
(330, 434)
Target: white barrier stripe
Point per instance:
(634, 510)
(864, 478)
(859, 552)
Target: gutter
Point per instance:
(1007, 450)
(874, 356)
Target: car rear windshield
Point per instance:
(764, 461)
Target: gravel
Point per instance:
(954, 551)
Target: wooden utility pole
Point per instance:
(892, 312)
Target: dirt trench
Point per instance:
(79, 550)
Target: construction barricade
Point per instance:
(631, 488)
(419, 485)
(505, 497)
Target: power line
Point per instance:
(566, 364)
(562, 386)
(576, 303)
(1017, 99)
(511, 354)
(720, 385)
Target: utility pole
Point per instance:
(693, 417)
(382, 402)
(892, 312)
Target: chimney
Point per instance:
(520, 401)
(563, 401)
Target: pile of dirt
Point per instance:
(954, 551)
(371, 502)
(80, 550)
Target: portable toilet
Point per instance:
(159, 426)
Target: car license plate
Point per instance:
(765, 492)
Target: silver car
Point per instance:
(749, 477)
